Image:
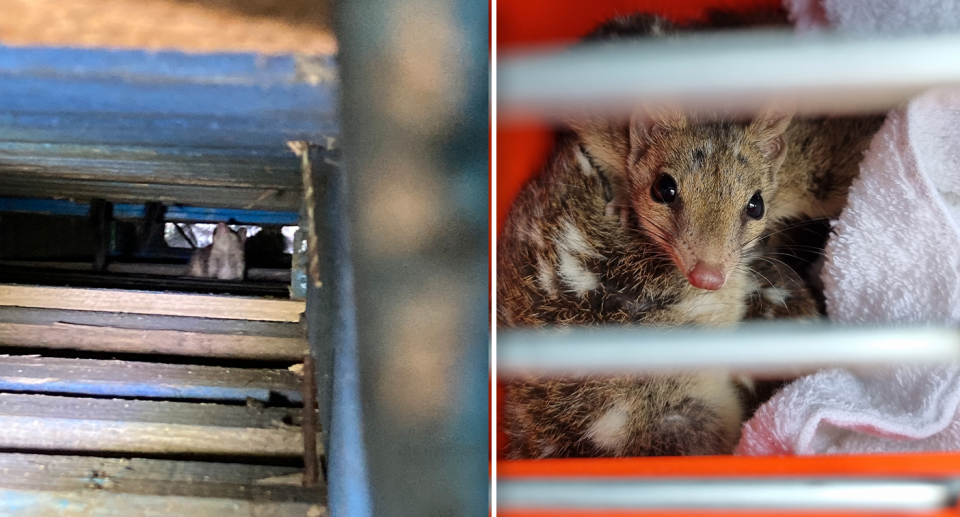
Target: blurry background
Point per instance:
(266, 26)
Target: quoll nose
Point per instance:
(706, 276)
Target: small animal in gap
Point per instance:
(658, 220)
(223, 258)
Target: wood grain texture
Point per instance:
(90, 503)
(27, 185)
(135, 268)
(44, 485)
(34, 316)
(164, 342)
(184, 285)
(41, 422)
(145, 380)
(142, 302)
(135, 164)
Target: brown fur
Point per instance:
(223, 259)
(562, 260)
(584, 244)
(622, 416)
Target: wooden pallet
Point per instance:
(43, 485)
(148, 302)
(89, 377)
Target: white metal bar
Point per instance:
(754, 494)
(760, 349)
(820, 72)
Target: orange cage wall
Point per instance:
(520, 154)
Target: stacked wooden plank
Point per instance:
(132, 126)
(140, 403)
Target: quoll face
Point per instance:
(700, 190)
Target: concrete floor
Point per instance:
(264, 26)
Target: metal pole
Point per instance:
(415, 139)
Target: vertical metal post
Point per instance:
(331, 323)
(415, 115)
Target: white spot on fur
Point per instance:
(548, 451)
(578, 278)
(676, 418)
(530, 232)
(573, 240)
(585, 166)
(546, 278)
(572, 247)
(776, 295)
(610, 431)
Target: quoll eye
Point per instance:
(755, 206)
(664, 190)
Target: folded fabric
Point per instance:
(902, 409)
(894, 257)
(868, 16)
(895, 252)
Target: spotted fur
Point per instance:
(587, 246)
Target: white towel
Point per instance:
(868, 16)
(894, 257)
(905, 409)
(895, 253)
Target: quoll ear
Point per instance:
(242, 233)
(767, 130)
(646, 123)
(605, 140)
(220, 229)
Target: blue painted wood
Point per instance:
(145, 165)
(228, 68)
(266, 134)
(146, 117)
(116, 95)
(197, 214)
(128, 211)
(150, 390)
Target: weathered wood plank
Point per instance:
(182, 213)
(28, 503)
(133, 164)
(149, 411)
(188, 101)
(153, 477)
(253, 273)
(142, 302)
(96, 280)
(239, 134)
(27, 185)
(34, 316)
(42, 422)
(43, 485)
(147, 380)
(164, 342)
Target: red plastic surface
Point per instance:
(521, 151)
